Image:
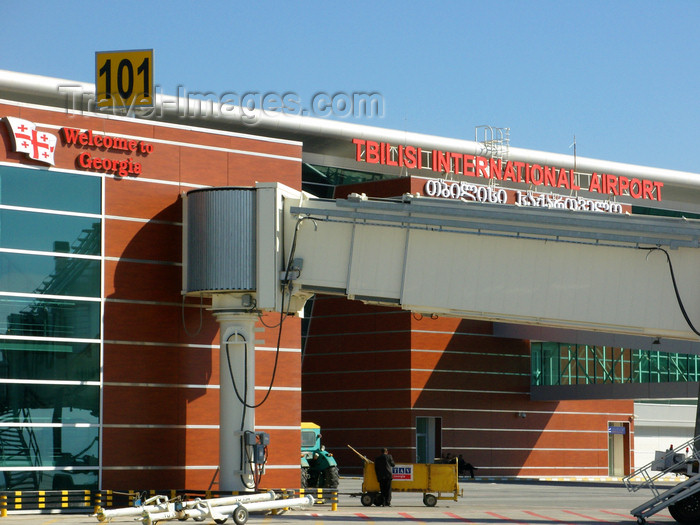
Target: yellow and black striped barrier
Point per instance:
(322, 496)
(91, 501)
(63, 500)
(45, 500)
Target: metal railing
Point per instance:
(668, 462)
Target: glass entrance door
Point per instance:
(617, 448)
(428, 439)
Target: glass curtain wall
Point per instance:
(572, 364)
(50, 304)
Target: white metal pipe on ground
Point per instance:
(108, 514)
(165, 506)
(305, 501)
(203, 512)
(231, 500)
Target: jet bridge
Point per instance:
(501, 263)
(270, 248)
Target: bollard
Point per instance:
(98, 503)
(3, 506)
(108, 502)
(334, 500)
(283, 495)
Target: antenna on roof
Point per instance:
(495, 143)
(578, 183)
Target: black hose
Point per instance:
(675, 285)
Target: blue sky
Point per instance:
(622, 76)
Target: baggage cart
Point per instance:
(434, 481)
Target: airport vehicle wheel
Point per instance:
(220, 522)
(304, 477)
(366, 499)
(687, 510)
(378, 500)
(429, 500)
(240, 515)
(331, 478)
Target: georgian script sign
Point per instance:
(470, 192)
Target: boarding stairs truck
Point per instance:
(681, 499)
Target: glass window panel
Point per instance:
(48, 447)
(49, 480)
(50, 275)
(308, 438)
(48, 232)
(42, 360)
(52, 190)
(28, 403)
(421, 447)
(49, 317)
(324, 175)
(608, 365)
(536, 363)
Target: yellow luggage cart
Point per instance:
(435, 481)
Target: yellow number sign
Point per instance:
(124, 78)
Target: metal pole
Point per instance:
(237, 399)
(696, 435)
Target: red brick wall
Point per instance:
(160, 398)
(370, 372)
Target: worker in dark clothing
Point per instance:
(463, 467)
(382, 467)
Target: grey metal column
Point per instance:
(697, 423)
(237, 399)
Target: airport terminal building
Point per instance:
(110, 375)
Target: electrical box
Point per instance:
(259, 454)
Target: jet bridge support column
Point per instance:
(236, 392)
(233, 253)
